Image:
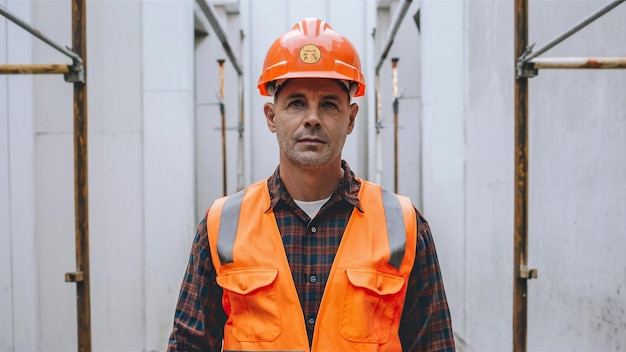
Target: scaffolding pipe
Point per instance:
(81, 199)
(35, 69)
(220, 62)
(580, 25)
(391, 34)
(520, 236)
(240, 129)
(578, 62)
(13, 18)
(378, 125)
(210, 14)
(394, 90)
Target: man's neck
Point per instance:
(310, 184)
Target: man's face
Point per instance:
(311, 118)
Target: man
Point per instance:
(312, 258)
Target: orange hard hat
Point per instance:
(312, 49)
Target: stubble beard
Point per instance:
(310, 157)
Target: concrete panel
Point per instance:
(168, 164)
(116, 241)
(22, 173)
(6, 268)
(443, 83)
(489, 138)
(114, 66)
(299, 9)
(168, 44)
(21, 155)
(169, 206)
(52, 95)
(54, 231)
(6, 286)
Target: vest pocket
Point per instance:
(369, 303)
(251, 303)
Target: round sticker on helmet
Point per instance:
(310, 54)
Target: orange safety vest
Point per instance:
(363, 298)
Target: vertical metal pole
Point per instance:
(240, 152)
(394, 87)
(378, 126)
(520, 284)
(81, 199)
(223, 117)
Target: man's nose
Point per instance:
(312, 117)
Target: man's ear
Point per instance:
(269, 110)
(354, 110)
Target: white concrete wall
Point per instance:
(577, 131)
(444, 146)
(577, 165)
(18, 268)
(141, 172)
(155, 161)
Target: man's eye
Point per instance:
(329, 105)
(296, 104)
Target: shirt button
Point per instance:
(313, 279)
(314, 229)
(311, 321)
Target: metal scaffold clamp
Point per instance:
(77, 70)
(526, 273)
(524, 67)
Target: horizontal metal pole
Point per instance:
(391, 34)
(579, 62)
(210, 14)
(580, 25)
(34, 69)
(13, 18)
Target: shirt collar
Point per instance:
(348, 189)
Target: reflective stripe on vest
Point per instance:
(228, 227)
(396, 233)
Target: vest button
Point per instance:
(313, 279)
(311, 321)
(314, 229)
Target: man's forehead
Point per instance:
(327, 86)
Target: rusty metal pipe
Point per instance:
(240, 129)
(220, 62)
(34, 69)
(394, 89)
(81, 199)
(378, 126)
(520, 236)
(579, 62)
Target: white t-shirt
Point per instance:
(311, 208)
